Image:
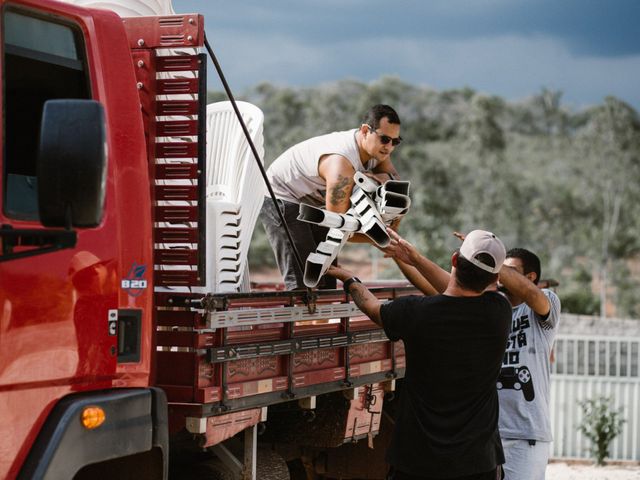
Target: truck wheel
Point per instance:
(271, 465)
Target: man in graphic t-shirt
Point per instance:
(447, 423)
(523, 385)
(319, 172)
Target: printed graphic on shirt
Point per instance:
(517, 379)
(513, 375)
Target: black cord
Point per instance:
(253, 149)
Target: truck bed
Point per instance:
(223, 353)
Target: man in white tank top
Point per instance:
(319, 171)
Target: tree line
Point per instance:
(560, 182)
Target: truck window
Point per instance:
(43, 59)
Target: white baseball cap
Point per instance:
(481, 241)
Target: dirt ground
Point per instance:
(564, 471)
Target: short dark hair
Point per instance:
(474, 278)
(377, 113)
(530, 261)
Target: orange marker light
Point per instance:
(93, 417)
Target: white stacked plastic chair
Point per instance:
(130, 8)
(235, 192)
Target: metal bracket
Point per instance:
(246, 469)
(214, 303)
(369, 399)
(235, 318)
(229, 459)
(42, 241)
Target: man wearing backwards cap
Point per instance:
(447, 424)
(523, 384)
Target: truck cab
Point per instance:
(73, 161)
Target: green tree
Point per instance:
(480, 127)
(484, 174)
(541, 176)
(627, 295)
(611, 156)
(577, 297)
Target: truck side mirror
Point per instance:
(72, 163)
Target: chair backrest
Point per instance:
(230, 162)
(130, 8)
(235, 192)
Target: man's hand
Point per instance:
(434, 279)
(460, 236)
(340, 273)
(395, 224)
(400, 249)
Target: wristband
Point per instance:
(347, 283)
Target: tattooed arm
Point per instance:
(338, 173)
(366, 302)
(362, 297)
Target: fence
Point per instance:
(587, 366)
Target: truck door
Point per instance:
(54, 298)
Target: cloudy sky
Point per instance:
(513, 48)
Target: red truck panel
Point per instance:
(55, 338)
(296, 359)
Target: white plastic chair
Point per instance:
(235, 193)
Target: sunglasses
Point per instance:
(384, 139)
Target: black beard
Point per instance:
(503, 289)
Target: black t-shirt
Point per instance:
(447, 423)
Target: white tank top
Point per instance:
(294, 175)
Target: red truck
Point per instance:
(103, 371)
